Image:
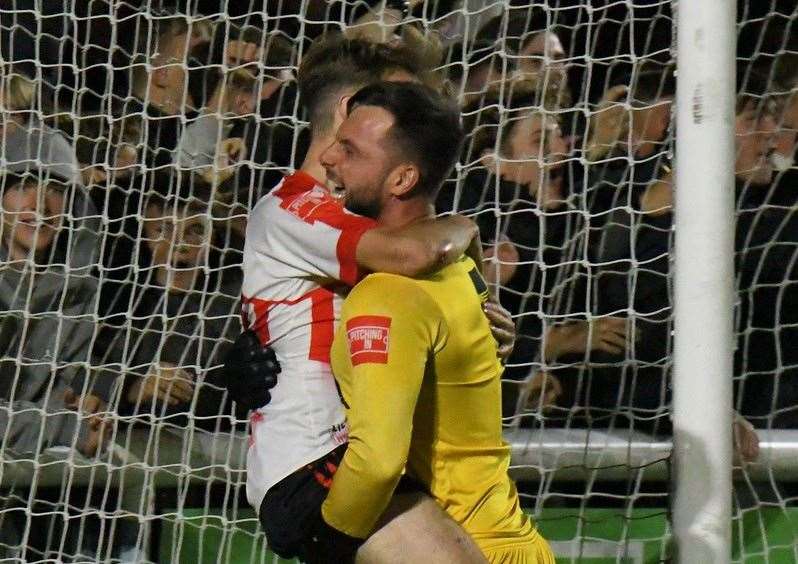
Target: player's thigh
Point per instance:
(415, 529)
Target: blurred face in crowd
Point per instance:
(177, 239)
(531, 62)
(168, 80)
(360, 160)
(32, 215)
(480, 78)
(754, 131)
(787, 137)
(534, 153)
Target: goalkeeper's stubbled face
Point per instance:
(359, 163)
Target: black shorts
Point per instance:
(291, 508)
(291, 512)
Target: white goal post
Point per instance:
(704, 281)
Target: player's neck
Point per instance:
(312, 163)
(398, 213)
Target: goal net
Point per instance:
(138, 134)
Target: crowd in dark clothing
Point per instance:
(144, 134)
(575, 216)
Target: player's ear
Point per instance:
(403, 178)
(341, 108)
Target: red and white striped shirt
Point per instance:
(299, 261)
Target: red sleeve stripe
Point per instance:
(330, 212)
(322, 329)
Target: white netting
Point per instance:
(154, 126)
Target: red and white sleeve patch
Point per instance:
(369, 339)
(307, 205)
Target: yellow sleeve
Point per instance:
(381, 396)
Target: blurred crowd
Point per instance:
(136, 137)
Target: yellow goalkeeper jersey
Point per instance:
(416, 365)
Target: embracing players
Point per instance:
(302, 253)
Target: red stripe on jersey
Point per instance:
(255, 316)
(322, 323)
(322, 329)
(298, 197)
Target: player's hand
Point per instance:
(746, 441)
(250, 371)
(609, 124)
(328, 544)
(164, 382)
(502, 327)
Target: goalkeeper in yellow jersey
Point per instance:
(414, 358)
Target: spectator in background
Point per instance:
(243, 138)
(536, 232)
(259, 67)
(515, 45)
(48, 245)
(188, 77)
(766, 363)
(182, 311)
(535, 51)
(634, 389)
(785, 82)
(619, 134)
(23, 134)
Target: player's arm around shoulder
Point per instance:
(416, 249)
(388, 341)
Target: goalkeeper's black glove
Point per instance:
(250, 371)
(328, 545)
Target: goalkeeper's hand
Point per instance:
(328, 544)
(250, 371)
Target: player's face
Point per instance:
(535, 153)
(359, 160)
(31, 216)
(755, 136)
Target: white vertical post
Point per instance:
(704, 280)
